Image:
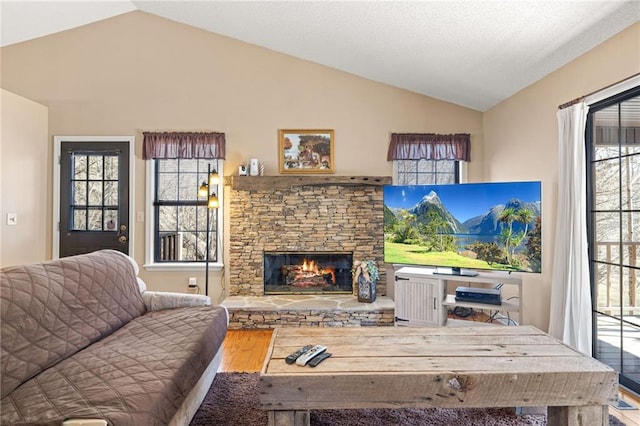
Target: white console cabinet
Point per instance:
(418, 298)
(421, 297)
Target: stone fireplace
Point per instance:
(307, 273)
(314, 215)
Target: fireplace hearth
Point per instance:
(307, 272)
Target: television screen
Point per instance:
(494, 226)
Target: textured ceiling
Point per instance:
(471, 53)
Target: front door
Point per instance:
(94, 196)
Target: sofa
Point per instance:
(85, 343)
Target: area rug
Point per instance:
(233, 401)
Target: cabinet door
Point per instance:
(418, 301)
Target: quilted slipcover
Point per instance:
(77, 342)
(139, 375)
(54, 309)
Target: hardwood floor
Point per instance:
(245, 351)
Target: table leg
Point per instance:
(578, 416)
(288, 418)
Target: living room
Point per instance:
(139, 72)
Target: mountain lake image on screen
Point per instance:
(486, 226)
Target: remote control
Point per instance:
(292, 358)
(317, 360)
(313, 352)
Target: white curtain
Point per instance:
(570, 317)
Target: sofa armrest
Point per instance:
(158, 300)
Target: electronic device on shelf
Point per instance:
(490, 296)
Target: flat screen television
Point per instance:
(462, 228)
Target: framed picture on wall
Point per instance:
(306, 151)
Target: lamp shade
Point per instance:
(213, 202)
(203, 190)
(214, 178)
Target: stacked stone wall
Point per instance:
(337, 218)
(249, 319)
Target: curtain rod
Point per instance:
(583, 97)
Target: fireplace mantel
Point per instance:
(261, 183)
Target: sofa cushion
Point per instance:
(139, 375)
(54, 309)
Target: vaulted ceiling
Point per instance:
(474, 53)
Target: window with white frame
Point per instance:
(184, 202)
(180, 216)
(427, 158)
(426, 172)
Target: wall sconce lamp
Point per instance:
(208, 190)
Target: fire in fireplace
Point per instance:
(307, 272)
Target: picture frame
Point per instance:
(306, 151)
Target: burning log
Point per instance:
(300, 276)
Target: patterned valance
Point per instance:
(429, 146)
(165, 145)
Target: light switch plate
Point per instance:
(12, 219)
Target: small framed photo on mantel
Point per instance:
(306, 151)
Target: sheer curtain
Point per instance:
(570, 316)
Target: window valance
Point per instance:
(429, 146)
(166, 145)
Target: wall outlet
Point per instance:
(193, 282)
(12, 219)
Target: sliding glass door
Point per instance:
(613, 146)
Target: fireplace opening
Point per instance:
(307, 272)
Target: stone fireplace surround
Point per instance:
(303, 213)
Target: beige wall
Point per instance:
(24, 180)
(139, 72)
(520, 140)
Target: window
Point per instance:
(94, 182)
(428, 158)
(180, 218)
(181, 232)
(613, 147)
(426, 172)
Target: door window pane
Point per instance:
(79, 220)
(95, 193)
(94, 220)
(111, 193)
(80, 193)
(111, 167)
(95, 167)
(111, 220)
(79, 167)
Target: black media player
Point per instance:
(490, 296)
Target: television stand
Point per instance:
(422, 298)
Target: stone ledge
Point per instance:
(247, 312)
(325, 302)
(271, 183)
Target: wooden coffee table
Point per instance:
(394, 367)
